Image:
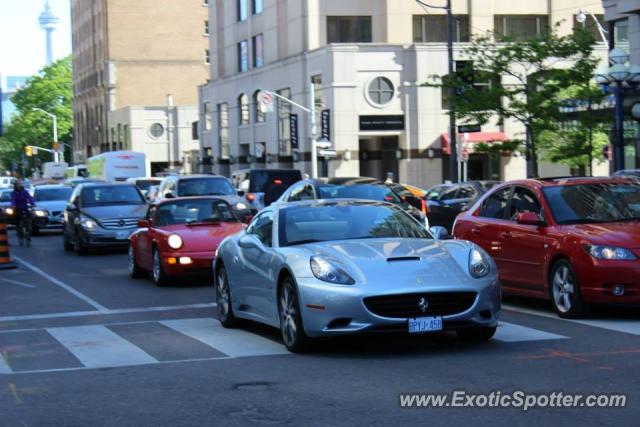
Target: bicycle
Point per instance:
(24, 226)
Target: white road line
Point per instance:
(627, 326)
(235, 343)
(64, 286)
(98, 347)
(102, 313)
(510, 332)
(15, 282)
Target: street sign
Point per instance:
(469, 128)
(293, 124)
(266, 101)
(325, 124)
(327, 152)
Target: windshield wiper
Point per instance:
(302, 242)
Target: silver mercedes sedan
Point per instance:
(332, 267)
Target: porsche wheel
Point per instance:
(223, 299)
(158, 274)
(134, 269)
(293, 335)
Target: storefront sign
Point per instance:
(325, 125)
(293, 124)
(372, 123)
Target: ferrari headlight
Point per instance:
(610, 252)
(87, 223)
(241, 206)
(40, 213)
(9, 211)
(174, 241)
(478, 264)
(328, 272)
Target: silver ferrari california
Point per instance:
(332, 267)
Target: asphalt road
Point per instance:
(82, 344)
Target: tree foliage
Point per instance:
(520, 80)
(50, 90)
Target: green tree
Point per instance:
(521, 81)
(50, 90)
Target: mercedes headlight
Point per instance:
(328, 272)
(9, 211)
(478, 264)
(174, 241)
(87, 223)
(610, 252)
(40, 213)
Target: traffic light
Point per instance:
(28, 150)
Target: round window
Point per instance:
(380, 90)
(157, 130)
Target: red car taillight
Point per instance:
(251, 197)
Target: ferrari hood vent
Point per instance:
(403, 258)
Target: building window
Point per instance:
(156, 130)
(194, 130)
(284, 126)
(621, 34)
(243, 56)
(207, 56)
(256, 7)
(223, 129)
(206, 27)
(242, 10)
(259, 114)
(243, 109)
(258, 51)
(348, 29)
(207, 116)
(520, 27)
(127, 137)
(589, 25)
(433, 28)
(380, 90)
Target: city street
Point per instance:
(83, 344)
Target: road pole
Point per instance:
(453, 152)
(618, 146)
(56, 153)
(312, 121)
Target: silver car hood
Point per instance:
(397, 259)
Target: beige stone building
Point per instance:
(133, 54)
(367, 60)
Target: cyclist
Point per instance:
(21, 202)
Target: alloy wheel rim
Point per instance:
(223, 295)
(288, 315)
(563, 289)
(131, 260)
(156, 266)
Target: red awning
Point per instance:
(473, 138)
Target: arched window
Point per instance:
(243, 109)
(260, 115)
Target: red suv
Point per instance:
(573, 240)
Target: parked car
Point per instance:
(203, 185)
(102, 215)
(51, 201)
(179, 237)
(261, 187)
(144, 183)
(410, 194)
(348, 188)
(446, 201)
(572, 240)
(336, 267)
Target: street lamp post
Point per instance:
(57, 156)
(619, 78)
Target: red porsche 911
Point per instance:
(179, 237)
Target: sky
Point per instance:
(22, 42)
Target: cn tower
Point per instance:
(49, 23)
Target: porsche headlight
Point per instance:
(610, 252)
(9, 211)
(328, 272)
(87, 224)
(40, 213)
(174, 241)
(241, 206)
(478, 264)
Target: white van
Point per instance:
(7, 181)
(54, 170)
(77, 171)
(118, 166)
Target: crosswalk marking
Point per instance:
(510, 332)
(4, 367)
(98, 347)
(235, 343)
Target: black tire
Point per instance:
(80, 248)
(476, 333)
(158, 275)
(134, 269)
(564, 291)
(68, 247)
(223, 299)
(291, 327)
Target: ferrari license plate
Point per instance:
(425, 324)
(122, 235)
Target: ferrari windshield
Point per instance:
(342, 221)
(193, 211)
(594, 203)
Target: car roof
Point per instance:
(50, 186)
(355, 180)
(571, 180)
(199, 176)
